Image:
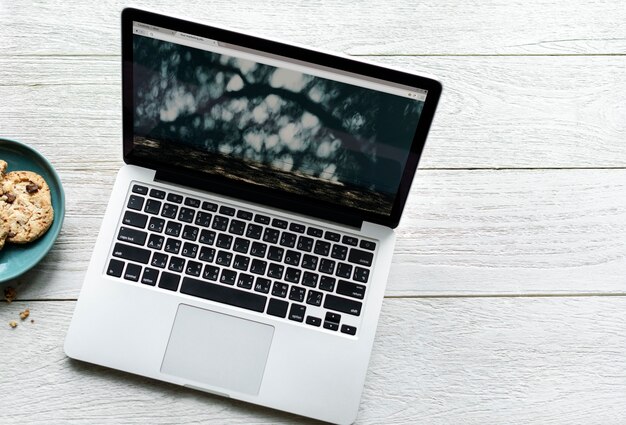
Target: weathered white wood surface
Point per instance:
(521, 192)
(435, 361)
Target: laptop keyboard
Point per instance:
(242, 258)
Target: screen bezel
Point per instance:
(274, 198)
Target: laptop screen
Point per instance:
(271, 121)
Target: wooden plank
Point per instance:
(437, 361)
(369, 27)
(496, 112)
(464, 233)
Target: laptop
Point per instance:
(247, 242)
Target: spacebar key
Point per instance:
(223, 294)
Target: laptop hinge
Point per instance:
(309, 209)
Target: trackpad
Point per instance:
(217, 349)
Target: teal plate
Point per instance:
(16, 259)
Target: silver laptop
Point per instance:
(247, 242)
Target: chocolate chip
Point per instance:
(10, 197)
(32, 187)
(10, 235)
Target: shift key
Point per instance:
(132, 253)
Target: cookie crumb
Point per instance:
(24, 314)
(32, 320)
(10, 294)
(10, 197)
(13, 324)
(32, 187)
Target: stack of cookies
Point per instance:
(25, 206)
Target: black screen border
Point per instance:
(267, 196)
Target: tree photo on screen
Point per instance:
(270, 126)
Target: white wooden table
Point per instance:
(507, 295)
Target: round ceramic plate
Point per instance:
(16, 259)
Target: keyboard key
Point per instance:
(349, 240)
(277, 308)
(344, 270)
(275, 253)
(296, 312)
(280, 289)
(224, 241)
(258, 249)
(192, 202)
(150, 276)
(209, 206)
(244, 215)
(175, 198)
(133, 253)
(298, 228)
(223, 294)
(203, 219)
(327, 283)
(296, 293)
(262, 285)
(156, 193)
(309, 262)
(332, 236)
(332, 317)
(135, 202)
(254, 231)
(292, 258)
(313, 321)
(314, 231)
(358, 256)
(223, 258)
(186, 215)
(330, 325)
(177, 264)
(347, 329)
(142, 190)
(193, 268)
(351, 289)
(172, 245)
(227, 210)
(369, 245)
(169, 281)
(310, 279)
(258, 266)
(228, 277)
(220, 223)
(241, 245)
(210, 272)
(206, 254)
(270, 235)
(315, 298)
(339, 252)
(135, 219)
(169, 210)
(115, 268)
(327, 266)
(263, 219)
(133, 236)
(207, 237)
(190, 250)
(153, 206)
(288, 239)
(305, 244)
(241, 262)
(190, 232)
(173, 228)
(342, 305)
(132, 272)
(293, 275)
(156, 224)
(322, 248)
(361, 274)
(245, 281)
(275, 271)
(237, 227)
(155, 241)
(159, 260)
(281, 224)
